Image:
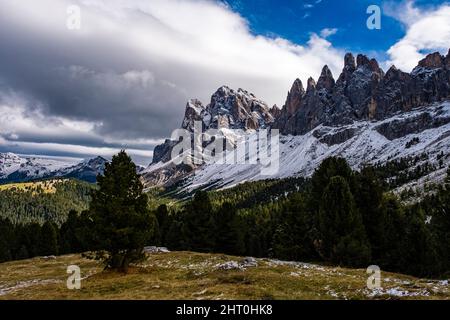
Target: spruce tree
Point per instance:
(6, 233)
(369, 197)
(48, 244)
(393, 250)
(22, 253)
(228, 234)
(121, 218)
(292, 239)
(68, 234)
(343, 238)
(198, 227)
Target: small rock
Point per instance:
(249, 262)
(230, 265)
(49, 258)
(443, 283)
(153, 249)
(200, 293)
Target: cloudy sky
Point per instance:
(122, 80)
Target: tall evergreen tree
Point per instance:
(48, 244)
(343, 238)
(198, 227)
(228, 234)
(368, 197)
(121, 217)
(292, 239)
(5, 240)
(393, 249)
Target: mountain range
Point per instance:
(15, 168)
(366, 116)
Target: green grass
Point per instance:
(192, 276)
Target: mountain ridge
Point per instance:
(333, 112)
(14, 168)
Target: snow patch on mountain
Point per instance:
(301, 155)
(15, 168)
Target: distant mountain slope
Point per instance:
(14, 168)
(37, 202)
(360, 143)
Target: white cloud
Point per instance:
(327, 32)
(426, 30)
(169, 50)
(190, 35)
(31, 130)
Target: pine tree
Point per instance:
(175, 239)
(48, 244)
(121, 218)
(329, 168)
(368, 196)
(162, 216)
(421, 255)
(229, 236)
(23, 253)
(68, 234)
(30, 237)
(393, 249)
(343, 239)
(291, 240)
(6, 235)
(198, 227)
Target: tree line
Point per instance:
(338, 216)
(33, 204)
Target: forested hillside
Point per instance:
(338, 216)
(38, 202)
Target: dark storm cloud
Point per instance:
(123, 79)
(91, 81)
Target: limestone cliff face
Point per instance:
(364, 92)
(228, 109)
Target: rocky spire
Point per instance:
(275, 111)
(432, 61)
(311, 85)
(349, 68)
(362, 60)
(326, 80)
(294, 98)
(194, 112)
(447, 59)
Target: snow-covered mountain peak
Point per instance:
(15, 168)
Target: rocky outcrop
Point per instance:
(275, 112)
(228, 109)
(364, 92)
(402, 127)
(333, 138)
(195, 111)
(294, 97)
(162, 152)
(311, 106)
(237, 110)
(447, 60)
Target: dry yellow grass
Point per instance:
(47, 186)
(185, 275)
